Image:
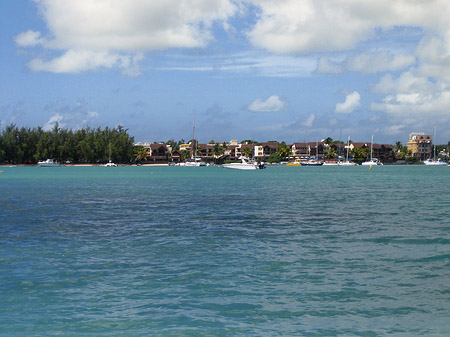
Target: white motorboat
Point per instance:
(193, 162)
(245, 164)
(434, 162)
(347, 163)
(372, 161)
(48, 163)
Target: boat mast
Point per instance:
(371, 149)
(434, 144)
(348, 144)
(193, 140)
(109, 157)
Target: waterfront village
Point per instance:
(31, 146)
(419, 148)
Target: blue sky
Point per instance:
(244, 69)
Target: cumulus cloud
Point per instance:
(294, 26)
(29, 39)
(352, 101)
(108, 33)
(273, 103)
(411, 98)
(74, 61)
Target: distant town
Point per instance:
(419, 148)
(97, 146)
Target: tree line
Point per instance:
(89, 145)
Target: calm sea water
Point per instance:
(174, 251)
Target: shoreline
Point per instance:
(84, 165)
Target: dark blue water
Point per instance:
(174, 251)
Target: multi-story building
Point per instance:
(311, 149)
(155, 151)
(420, 145)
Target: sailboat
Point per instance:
(110, 163)
(194, 161)
(346, 162)
(372, 161)
(434, 161)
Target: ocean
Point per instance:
(206, 251)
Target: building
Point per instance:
(266, 149)
(311, 149)
(420, 145)
(156, 152)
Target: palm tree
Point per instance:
(248, 152)
(140, 153)
(331, 153)
(283, 150)
(218, 151)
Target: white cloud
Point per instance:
(57, 118)
(379, 61)
(108, 33)
(329, 66)
(75, 61)
(256, 64)
(29, 39)
(292, 26)
(273, 103)
(72, 117)
(370, 62)
(309, 121)
(352, 101)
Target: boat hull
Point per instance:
(434, 163)
(48, 163)
(240, 166)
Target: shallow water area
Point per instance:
(205, 251)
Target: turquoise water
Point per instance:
(174, 251)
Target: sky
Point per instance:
(285, 70)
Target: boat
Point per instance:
(193, 162)
(245, 164)
(296, 162)
(312, 162)
(305, 162)
(48, 163)
(347, 162)
(434, 161)
(372, 161)
(110, 163)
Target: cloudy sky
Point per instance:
(262, 69)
